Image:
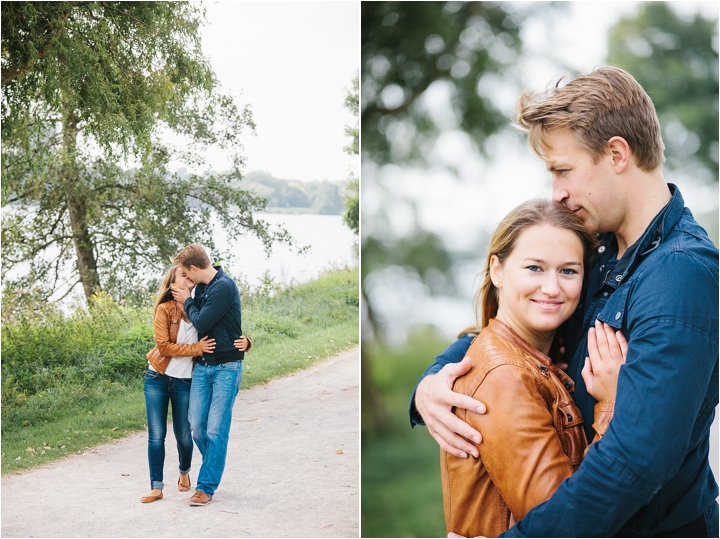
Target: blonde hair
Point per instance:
(531, 213)
(606, 103)
(164, 293)
(193, 255)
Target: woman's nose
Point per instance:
(550, 285)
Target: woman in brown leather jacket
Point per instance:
(533, 433)
(168, 380)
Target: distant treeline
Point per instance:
(323, 197)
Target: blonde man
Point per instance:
(215, 312)
(655, 278)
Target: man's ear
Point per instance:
(620, 153)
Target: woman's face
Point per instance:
(182, 280)
(540, 282)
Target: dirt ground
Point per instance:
(292, 471)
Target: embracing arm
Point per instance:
(215, 306)
(452, 354)
(433, 400)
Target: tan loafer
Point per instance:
(184, 488)
(151, 497)
(200, 498)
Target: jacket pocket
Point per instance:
(613, 313)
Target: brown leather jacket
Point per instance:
(166, 326)
(533, 436)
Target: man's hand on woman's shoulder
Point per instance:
(435, 399)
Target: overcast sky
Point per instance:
(292, 61)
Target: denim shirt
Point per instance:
(650, 473)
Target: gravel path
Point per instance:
(292, 471)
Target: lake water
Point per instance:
(332, 245)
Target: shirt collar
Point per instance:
(654, 235)
(217, 275)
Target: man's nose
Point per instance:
(559, 194)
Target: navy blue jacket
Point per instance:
(215, 312)
(650, 473)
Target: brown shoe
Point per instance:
(200, 498)
(151, 498)
(184, 488)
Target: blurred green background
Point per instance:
(401, 491)
(441, 165)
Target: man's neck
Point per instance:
(647, 195)
(207, 274)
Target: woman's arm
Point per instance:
(242, 343)
(521, 450)
(161, 325)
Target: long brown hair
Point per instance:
(164, 293)
(534, 212)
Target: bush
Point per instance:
(57, 359)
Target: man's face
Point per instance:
(182, 280)
(590, 190)
(191, 273)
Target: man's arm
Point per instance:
(433, 400)
(661, 395)
(215, 306)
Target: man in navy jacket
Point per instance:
(655, 278)
(215, 311)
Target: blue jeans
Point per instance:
(214, 388)
(160, 390)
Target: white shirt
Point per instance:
(181, 367)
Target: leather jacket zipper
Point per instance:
(543, 369)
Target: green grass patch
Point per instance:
(113, 418)
(401, 489)
(72, 382)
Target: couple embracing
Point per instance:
(197, 367)
(582, 403)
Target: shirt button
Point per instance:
(605, 294)
(617, 316)
(602, 268)
(618, 278)
(601, 249)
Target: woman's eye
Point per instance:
(568, 271)
(534, 268)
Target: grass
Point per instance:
(70, 383)
(401, 489)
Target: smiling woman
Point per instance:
(533, 436)
(539, 283)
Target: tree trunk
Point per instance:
(373, 413)
(75, 197)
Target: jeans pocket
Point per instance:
(151, 375)
(230, 366)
